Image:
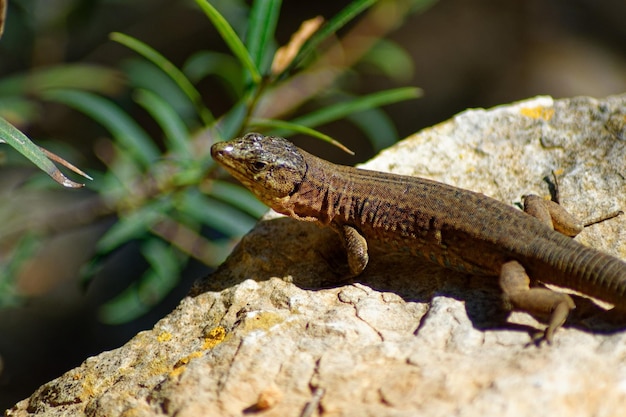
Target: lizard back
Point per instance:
(456, 228)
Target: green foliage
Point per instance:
(20, 94)
(233, 41)
(24, 249)
(170, 70)
(127, 133)
(163, 188)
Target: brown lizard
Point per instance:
(456, 228)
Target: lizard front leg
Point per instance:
(356, 248)
(515, 284)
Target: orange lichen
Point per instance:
(268, 398)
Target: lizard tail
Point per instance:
(589, 271)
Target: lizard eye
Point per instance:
(259, 165)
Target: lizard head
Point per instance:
(271, 167)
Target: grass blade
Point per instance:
(16, 139)
(176, 133)
(305, 124)
(377, 126)
(133, 225)
(232, 40)
(237, 197)
(24, 250)
(75, 76)
(333, 25)
(170, 69)
(341, 110)
(123, 128)
(295, 127)
(151, 288)
(144, 75)
(165, 264)
(223, 66)
(391, 59)
(261, 27)
(188, 241)
(56, 158)
(215, 214)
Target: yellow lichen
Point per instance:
(177, 371)
(158, 366)
(184, 361)
(538, 112)
(181, 364)
(263, 321)
(214, 337)
(164, 337)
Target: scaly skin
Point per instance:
(456, 228)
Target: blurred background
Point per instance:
(65, 295)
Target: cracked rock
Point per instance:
(273, 329)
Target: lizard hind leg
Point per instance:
(552, 214)
(542, 302)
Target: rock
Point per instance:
(272, 330)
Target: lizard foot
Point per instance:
(542, 302)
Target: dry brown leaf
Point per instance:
(284, 55)
(3, 14)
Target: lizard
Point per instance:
(453, 227)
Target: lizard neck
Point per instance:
(322, 193)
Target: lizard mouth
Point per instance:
(221, 152)
(224, 154)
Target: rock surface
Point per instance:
(271, 331)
